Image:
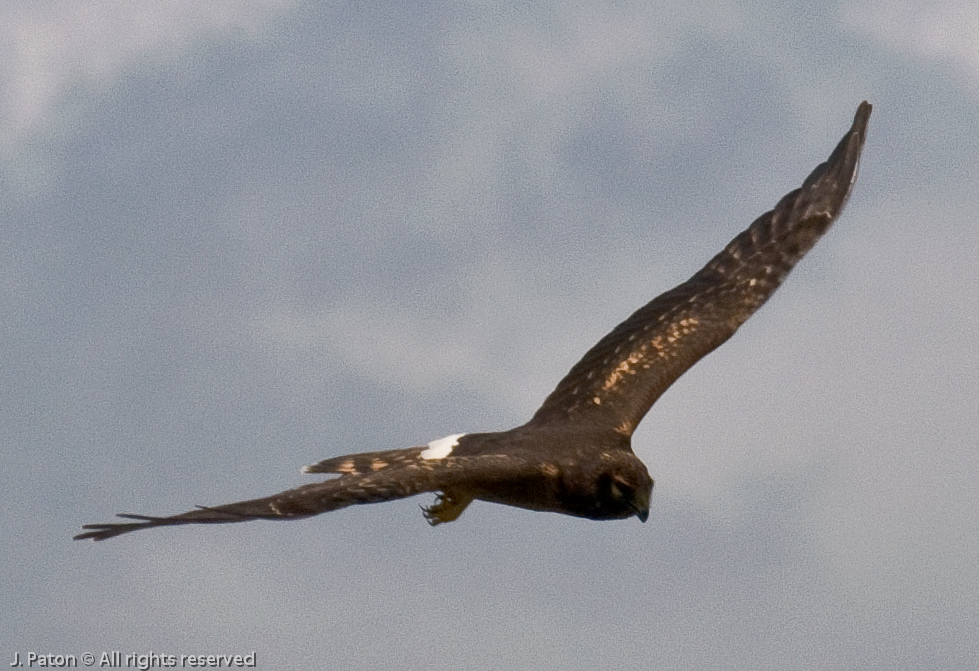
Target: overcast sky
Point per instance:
(241, 236)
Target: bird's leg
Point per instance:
(447, 508)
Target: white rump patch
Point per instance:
(441, 448)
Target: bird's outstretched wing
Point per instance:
(619, 379)
(366, 478)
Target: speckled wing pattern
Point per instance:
(620, 378)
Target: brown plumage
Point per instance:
(574, 456)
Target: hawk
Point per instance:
(574, 456)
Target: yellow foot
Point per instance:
(447, 508)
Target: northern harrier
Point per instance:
(574, 455)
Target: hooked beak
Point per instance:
(641, 505)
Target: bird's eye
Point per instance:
(621, 490)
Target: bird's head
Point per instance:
(633, 495)
(625, 489)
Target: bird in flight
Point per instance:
(574, 456)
